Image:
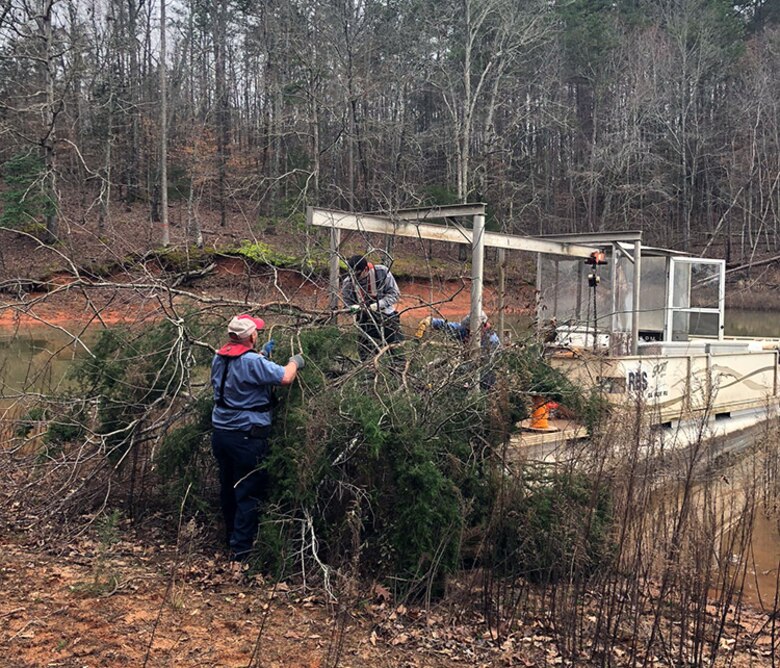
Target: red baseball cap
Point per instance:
(242, 326)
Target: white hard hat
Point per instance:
(482, 319)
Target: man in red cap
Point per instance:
(242, 380)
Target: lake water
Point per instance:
(744, 322)
(36, 359)
(738, 322)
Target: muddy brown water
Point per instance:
(750, 322)
(36, 359)
(763, 562)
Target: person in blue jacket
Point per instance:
(462, 330)
(242, 381)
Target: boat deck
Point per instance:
(533, 445)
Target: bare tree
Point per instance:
(52, 108)
(163, 131)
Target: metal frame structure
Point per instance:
(626, 243)
(442, 224)
(677, 291)
(415, 223)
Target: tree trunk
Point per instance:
(193, 222)
(132, 190)
(50, 186)
(105, 181)
(163, 132)
(221, 106)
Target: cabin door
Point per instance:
(696, 299)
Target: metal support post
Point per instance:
(335, 243)
(538, 298)
(635, 297)
(477, 276)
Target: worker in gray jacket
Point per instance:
(371, 293)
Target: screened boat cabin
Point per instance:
(603, 303)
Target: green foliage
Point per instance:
(64, 422)
(184, 457)
(262, 253)
(712, 32)
(589, 34)
(380, 461)
(24, 201)
(434, 195)
(537, 377)
(425, 533)
(28, 420)
(381, 468)
(594, 410)
(389, 470)
(551, 527)
(108, 528)
(66, 427)
(177, 260)
(130, 370)
(273, 554)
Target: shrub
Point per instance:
(28, 420)
(378, 468)
(384, 464)
(132, 370)
(536, 377)
(184, 457)
(67, 426)
(552, 526)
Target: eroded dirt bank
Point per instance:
(133, 299)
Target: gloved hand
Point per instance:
(298, 360)
(354, 308)
(268, 348)
(374, 306)
(422, 326)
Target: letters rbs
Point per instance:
(637, 381)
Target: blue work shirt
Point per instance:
(456, 330)
(249, 382)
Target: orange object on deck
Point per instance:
(540, 414)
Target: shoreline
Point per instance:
(126, 304)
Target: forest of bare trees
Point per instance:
(660, 115)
